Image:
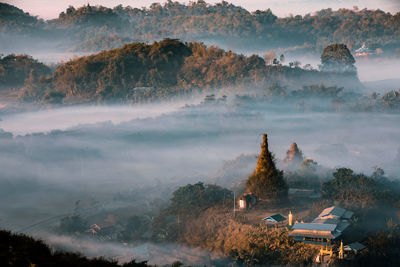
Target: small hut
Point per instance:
(246, 201)
(274, 219)
(354, 248)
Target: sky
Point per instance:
(48, 9)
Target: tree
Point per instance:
(356, 190)
(190, 198)
(269, 57)
(282, 58)
(337, 58)
(267, 181)
(309, 165)
(73, 224)
(135, 228)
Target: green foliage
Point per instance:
(89, 16)
(389, 102)
(274, 248)
(226, 23)
(53, 97)
(116, 73)
(136, 227)
(213, 67)
(384, 247)
(101, 42)
(337, 57)
(267, 181)
(73, 224)
(316, 90)
(309, 165)
(276, 90)
(305, 176)
(193, 198)
(355, 190)
(22, 250)
(15, 69)
(177, 264)
(15, 20)
(141, 72)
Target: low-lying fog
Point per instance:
(369, 70)
(92, 153)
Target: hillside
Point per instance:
(223, 23)
(140, 72)
(14, 69)
(13, 19)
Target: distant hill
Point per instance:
(13, 19)
(140, 72)
(224, 24)
(14, 69)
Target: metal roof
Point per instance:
(276, 218)
(313, 235)
(342, 226)
(326, 221)
(348, 214)
(329, 224)
(354, 246)
(334, 210)
(316, 234)
(314, 226)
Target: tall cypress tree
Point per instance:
(267, 181)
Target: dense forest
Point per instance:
(140, 72)
(164, 70)
(14, 69)
(96, 28)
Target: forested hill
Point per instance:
(13, 19)
(145, 72)
(95, 28)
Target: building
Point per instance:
(364, 51)
(327, 227)
(354, 248)
(274, 219)
(246, 201)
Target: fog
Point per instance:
(154, 253)
(93, 153)
(64, 118)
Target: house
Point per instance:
(364, 51)
(274, 219)
(355, 247)
(246, 201)
(327, 227)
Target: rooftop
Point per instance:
(275, 218)
(355, 247)
(334, 210)
(314, 226)
(330, 223)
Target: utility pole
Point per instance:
(234, 204)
